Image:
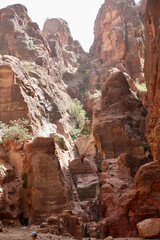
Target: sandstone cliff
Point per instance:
(94, 186)
(152, 75)
(119, 36)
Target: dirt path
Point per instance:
(24, 233)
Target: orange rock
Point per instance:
(149, 228)
(152, 60)
(119, 36)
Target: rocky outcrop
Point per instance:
(36, 87)
(41, 178)
(118, 128)
(44, 180)
(28, 94)
(40, 72)
(116, 180)
(119, 36)
(152, 62)
(15, 37)
(118, 125)
(9, 191)
(142, 8)
(85, 178)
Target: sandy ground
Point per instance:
(24, 233)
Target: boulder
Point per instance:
(85, 177)
(149, 228)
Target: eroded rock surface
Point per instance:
(120, 119)
(119, 36)
(152, 76)
(9, 191)
(149, 228)
(62, 187)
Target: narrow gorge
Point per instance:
(79, 132)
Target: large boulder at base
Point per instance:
(149, 228)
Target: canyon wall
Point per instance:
(152, 76)
(94, 186)
(119, 36)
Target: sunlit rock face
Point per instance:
(119, 36)
(30, 94)
(152, 74)
(38, 77)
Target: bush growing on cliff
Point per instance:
(78, 117)
(16, 129)
(27, 65)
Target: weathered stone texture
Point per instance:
(152, 74)
(119, 36)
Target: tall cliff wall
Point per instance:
(152, 75)
(119, 36)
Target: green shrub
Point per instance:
(100, 184)
(111, 184)
(61, 142)
(141, 87)
(31, 42)
(16, 129)
(24, 178)
(99, 163)
(86, 131)
(78, 117)
(108, 166)
(84, 76)
(27, 65)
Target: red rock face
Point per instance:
(142, 8)
(119, 36)
(116, 204)
(120, 119)
(9, 191)
(44, 180)
(152, 76)
(19, 97)
(38, 80)
(37, 86)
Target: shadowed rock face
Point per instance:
(142, 8)
(121, 116)
(9, 190)
(119, 36)
(152, 73)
